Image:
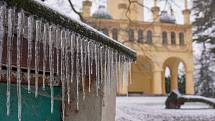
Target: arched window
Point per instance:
(149, 37)
(164, 38)
(115, 34)
(131, 35)
(181, 39)
(105, 31)
(173, 38)
(140, 36)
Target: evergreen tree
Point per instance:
(181, 84)
(167, 83)
(204, 33)
(204, 24)
(205, 82)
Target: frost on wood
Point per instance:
(57, 56)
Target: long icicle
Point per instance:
(62, 72)
(105, 66)
(20, 32)
(67, 46)
(9, 55)
(126, 74)
(111, 70)
(108, 69)
(91, 60)
(101, 65)
(82, 68)
(77, 72)
(130, 77)
(36, 66)
(120, 82)
(89, 65)
(85, 57)
(116, 71)
(57, 46)
(2, 33)
(72, 56)
(96, 66)
(45, 53)
(51, 62)
(30, 36)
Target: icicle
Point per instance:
(2, 33)
(82, 68)
(85, 58)
(67, 49)
(92, 57)
(108, 69)
(45, 53)
(120, 71)
(89, 64)
(130, 78)
(77, 72)
(72, 56)
(38, 34)
(30, 36)
(105, 66)
(125, 71)
(57, 46)
(127, 74)
(62, 72)
(96, 66)
(20, 32)
(111, 70)
(9, 55)
(101, 65)
(116, 71)
(51, 64)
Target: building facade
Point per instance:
(159, 44)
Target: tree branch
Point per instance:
(77, 12)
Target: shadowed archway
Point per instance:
(176, 68)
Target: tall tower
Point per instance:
(86, 8)
(122, 9)
(155, 12)
(186, 13)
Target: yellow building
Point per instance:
(159, 44)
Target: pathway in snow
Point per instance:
(153, 109)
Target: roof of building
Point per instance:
(166, 18)
(102, 13)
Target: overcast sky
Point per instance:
(63, 7)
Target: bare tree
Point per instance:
(77, 12)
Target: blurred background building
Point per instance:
(162, 46)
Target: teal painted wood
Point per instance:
(33, 109)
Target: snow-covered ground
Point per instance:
(153, 109)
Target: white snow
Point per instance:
(153, 109)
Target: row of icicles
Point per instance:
(63, 51)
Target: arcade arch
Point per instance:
(174, 76)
